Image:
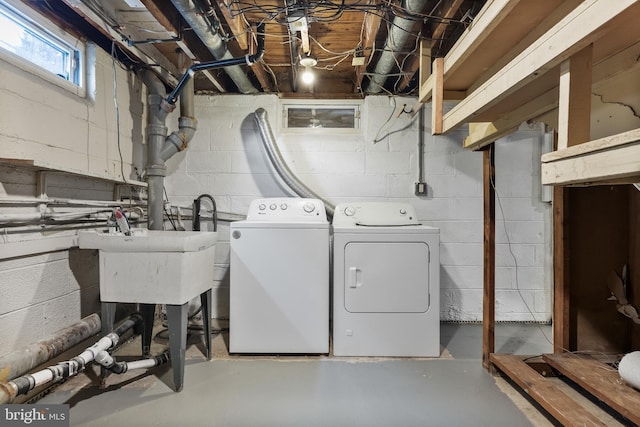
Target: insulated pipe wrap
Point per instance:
(279, 164)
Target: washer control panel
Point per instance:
(283, 209)
(375, 214)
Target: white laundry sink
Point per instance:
(152, 266)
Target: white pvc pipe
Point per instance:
(141, 364)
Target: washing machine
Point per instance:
(279, 278)
(386, 282)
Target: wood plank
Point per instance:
(415, 63)
(600, 380)
(426, 89)
(584, 25)
(594, 167)
(548, 12)
(509, 122)
(437, 99)
(542, 390)
(236, 24)
(606, 143)
(574, 104)
(146, 53)
(371, 26)
(489, 17)
(604, 159)
(561, 277)
(489, 277)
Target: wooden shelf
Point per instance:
(614, 159)
(506, 68)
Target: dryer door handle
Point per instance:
(354, 276)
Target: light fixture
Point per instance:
(308, 62)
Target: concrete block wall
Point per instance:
(45, 287)
(43, 122)
(226, 159)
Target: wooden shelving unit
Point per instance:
(541, 61)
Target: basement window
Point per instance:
(40, 48)
(320, 116)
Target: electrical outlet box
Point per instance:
(421, 189)
(357, 60)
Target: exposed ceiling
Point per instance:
(361, 46)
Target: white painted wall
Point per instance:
(226, 160)
(41, 292)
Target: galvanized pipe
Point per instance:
(18, 362)
(399, 32)
(196, 20)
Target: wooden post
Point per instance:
(561, 296)
(489, 295)
(574, 103)
(437, 96)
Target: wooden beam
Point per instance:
(236, 24)
(437, 99)
(557, 403)
(146, 53)
(489, 286)
(561, 289)
(425, 62)
(371, 26)
(184, 45)
(585, 24)
(426, 89)
(574, 104)
(481, 134)
(604, 159)
(415, 63)
(489, 17)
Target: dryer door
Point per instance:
(386, 277)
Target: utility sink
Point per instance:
(152, 266)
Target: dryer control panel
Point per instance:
(287, 209)
(375, 214)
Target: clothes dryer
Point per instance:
(386, 282)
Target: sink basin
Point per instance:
(152, 266)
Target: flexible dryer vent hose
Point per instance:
(281, 167)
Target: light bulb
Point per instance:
(307, 76)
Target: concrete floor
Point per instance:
(237, 391)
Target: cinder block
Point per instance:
(61, 312)
(461, 254)
(21, 328)
(387, 163)
(33, 284)
(461, 277)
(209, 162)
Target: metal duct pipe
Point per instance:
(196, 20)
(18, 362)
(398, 34)
(280, 165)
